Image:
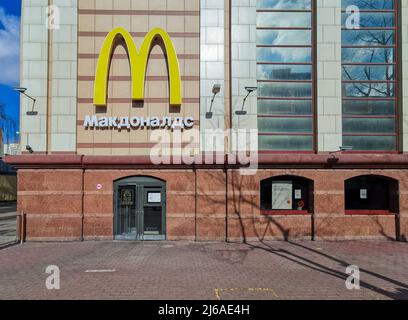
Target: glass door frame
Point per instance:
(142, 185)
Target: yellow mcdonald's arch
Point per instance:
(138, 64)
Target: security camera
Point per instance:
(29, 149)
(346, 148)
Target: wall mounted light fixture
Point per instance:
(216, 89)
(23, 91)
(249, 90)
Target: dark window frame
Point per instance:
(305, 184)
(384, 190)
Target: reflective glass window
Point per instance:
(285, 73)
(370, 75)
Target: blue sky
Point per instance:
(10, 11)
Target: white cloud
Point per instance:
(9, 48)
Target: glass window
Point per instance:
(285, 90)
(285, 107)
(286, 193)
(368, 89)
(368, 107)
(368, 55)
(285, 4)
(284, 55)
(288, 125)
(283, 37)
(286, 142)
(371, 193)
(371, 142)
(285, 74)
(284, 19)
(369, 125)
(369, 74)
(369, 4)
(368, 37)
(373, 19)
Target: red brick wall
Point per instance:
(52, 200)
(211, 205)
(245, 218)
(98, 204)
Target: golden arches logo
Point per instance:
(138, 65)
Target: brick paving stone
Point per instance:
(195, 270)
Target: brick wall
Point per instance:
(52, 200)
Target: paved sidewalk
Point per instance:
(185, 270)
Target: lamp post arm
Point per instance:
(243, 102)
(29, 97)
(212, 101)
(34, 101)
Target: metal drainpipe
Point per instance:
(230, 114)
(313, 227)
(396, 189)
(195, 202)
(20, 227)
(23, 219)
(398, 227)
(49, 83)
(226, 197)
(82, 200)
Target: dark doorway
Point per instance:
(140, 209)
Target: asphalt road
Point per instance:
(7, 224)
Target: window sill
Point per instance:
(285, 213)
(369, 213)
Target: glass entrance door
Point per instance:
(126, 220)
(140, 208)
(153, 218)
